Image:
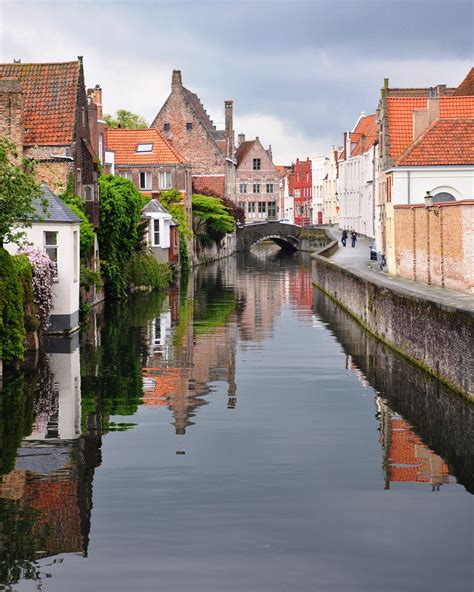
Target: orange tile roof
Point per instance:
(400, 117)
(49, 100)
(467, 85)
(445, 142)
(124, 143)
(364, 135)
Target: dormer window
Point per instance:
(144, 147)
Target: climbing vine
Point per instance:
(12, 323)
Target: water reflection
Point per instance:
(171, 353)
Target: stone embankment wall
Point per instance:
(214, 252)
(437, 337)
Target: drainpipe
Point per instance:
(409, 186)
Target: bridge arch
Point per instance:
(286, 236)
(288, 243)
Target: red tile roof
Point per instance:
(215, 183)
(124, 142)
(49, 100)
(467, 85)
(445, 142)
(400, 117)
(364, 135)
(243, 149)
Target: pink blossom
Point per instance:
(44, 271)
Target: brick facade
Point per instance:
(302, 185)
(436, 246)
(187, 125)
(257, 181)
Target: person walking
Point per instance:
(353, 237)
(344, 238)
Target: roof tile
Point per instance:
(124, 142)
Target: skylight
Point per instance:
(144, 147)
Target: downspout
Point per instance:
(409, 186)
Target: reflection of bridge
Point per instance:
(286, 236)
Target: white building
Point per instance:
(287, 199)
(356, 178)
(320, 166)
(159, 235)
(57, 233)
(330, 190)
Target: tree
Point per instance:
(237, 213)
(127, 119)
(18, 190)
(211, 218)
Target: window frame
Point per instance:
(155, 231)
(256, 187)
(257, 164)
(147, 186)
(167, 175)
(52, 247)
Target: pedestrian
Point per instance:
(354, 237)
(344, 238)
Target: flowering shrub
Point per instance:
(44, 271)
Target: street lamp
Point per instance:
(428, 200)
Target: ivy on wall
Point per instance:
(12, 321)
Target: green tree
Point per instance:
(211, 218)
(120, 209)
(127, 119)
(18, 190)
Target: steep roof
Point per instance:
(124, 142)
(198, 107)
(467, 85)
(445, 142)
(400, 117)
(243, 149)
(155, 206)
(56, 209)
(49, 100)
(364, 135)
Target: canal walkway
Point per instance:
(357, 259)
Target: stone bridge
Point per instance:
(286, 236)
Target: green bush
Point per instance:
(24, 271)
(145, 270)
(86, 230)
(90, 278)
(12, 315)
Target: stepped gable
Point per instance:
(445, 142)
(49, 100)
(364, 134)
(124, 143)
(198, 107)
(466, 88)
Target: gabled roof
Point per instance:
(445, 142)
(154, 206)
(49, 100)
(467, 85)
(400, 117)
(124, 143)
(56, 209)
(364, 134)
(243, 149)
(198, 107)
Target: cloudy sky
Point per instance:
(300, 72)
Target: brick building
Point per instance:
(302, 187)
(44, 111)
(185, 122)
(257, 181)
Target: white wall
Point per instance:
(411, 184)
(66, 288)
(330, 197)
(319, 169)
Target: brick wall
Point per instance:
(437, 246)
(437, 337)
(11, 112)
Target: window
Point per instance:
(101, 146)
(243, 187)
(144, 147)
(270, 187)
(145, 181)
(167, 127)
(50, 246)
(443, 196)
(189, 127)
(251, 209)
(242, 205)
(262, 207)
(88, 193)
(126, 176)
(83, 116)
(156, 233)
(165, 180)
(256, 164)
(75, 243)
(256, 187)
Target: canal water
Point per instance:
(237, 433)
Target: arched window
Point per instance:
(443, 196)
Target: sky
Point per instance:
(300, 72)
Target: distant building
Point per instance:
(44, 111)
(356, 177)
(302, 187)
(185, 122)
(319, 169)
(257, 181)
(287, 202)
(331, 205)
(57, 233)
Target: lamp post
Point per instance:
(429, 204)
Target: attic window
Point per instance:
(144, 147)
(189, 126)
(167, 127)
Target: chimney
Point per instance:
(11, 110)
(229, 124)
(270, 151)
(423, 118)
(97, 98)
(176, 81)
(17, 61)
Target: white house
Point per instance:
(160, 225)
(57, 233)
(330, 190)
(319, 166)
(356, 178)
